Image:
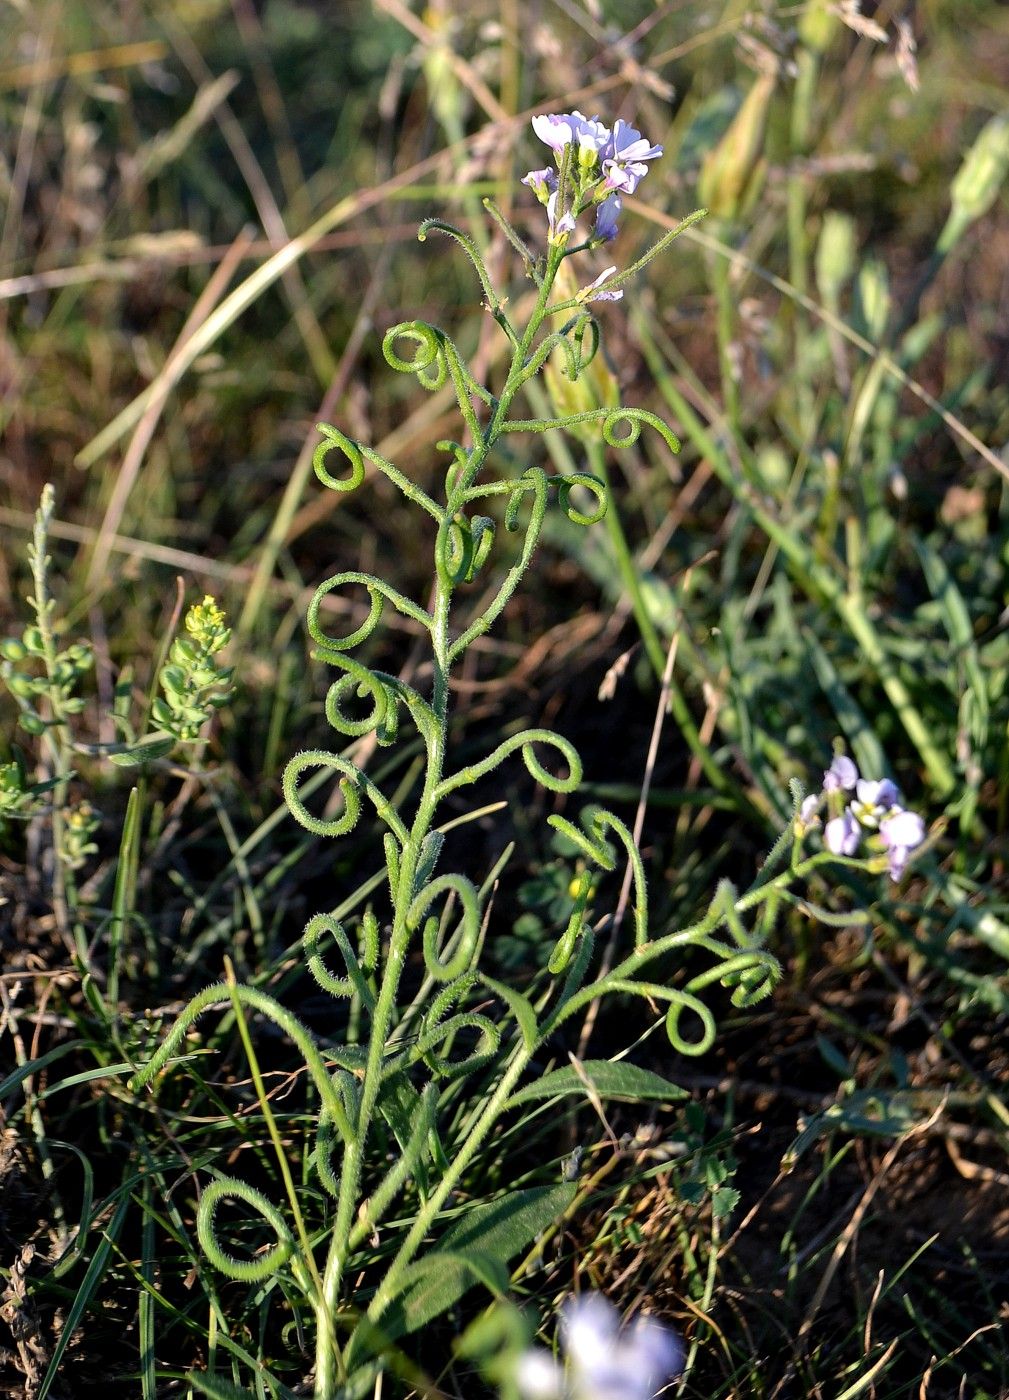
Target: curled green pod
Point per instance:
(357, 681)
(379, 594)
(565, 945)
(466, 932)
(327, 1139)
(566, 484)
(350, 449)
(265, 1264)
(755, 980)
(464, 545)
(524, 741)
(532, 481)
(438, 1027)
(591, 841)
(350, 777)
(339, 987)
(638, 417)
(428, 363)
(680, 1001)
(352, 639)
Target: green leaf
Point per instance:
(724, 1201)
(90, 1282)
(609, 1080)
(476, 1248)
(520, 1007)
(437, 1281)
(33, 1066)
(146, 750)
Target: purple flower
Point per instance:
(842, 774)
(607, 214)
(873, 800)
(603, 1362)
(623, 158)
(541, 182)
(842, 834)
(808, 815)
(901, 831)
(595, 291)
(559, 227)
(592, 138)
(902, 828)
(559, 129)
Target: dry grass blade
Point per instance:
(44, 70)
(144, 431)
(858, 1215)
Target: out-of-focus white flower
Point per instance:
(842, 834)
(874, 800)
(901, 832)
(538, 1376)
(842, 775)
(603, 1362)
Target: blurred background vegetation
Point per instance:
(209, 214)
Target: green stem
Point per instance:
(808, 67)
(329, 1363)
(65, 899)
(429, 1211)
(727, 343)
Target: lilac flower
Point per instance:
(873, 800)
(593, 137)
(842, 834)
(541, 182)
(624, 156)
(558, 130)
(607, 214)
(559, 227)
(842, 774)
(807, 816)
(603, 1363)
(595, 291)
(901, 831)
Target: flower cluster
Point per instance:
(193, 682)
(603, 1362)
(594, 167)
(863, 808)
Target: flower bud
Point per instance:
(12, 650)
(21, 686)
(818, 25)
(873, 288)
(978, 181)
(835, 255)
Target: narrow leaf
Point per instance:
(609, 1080)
